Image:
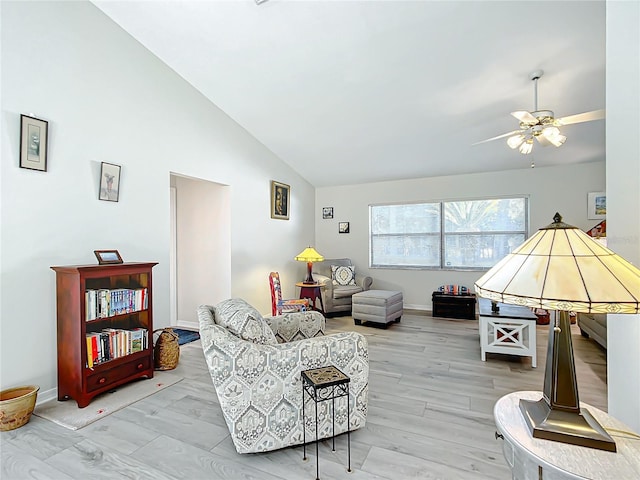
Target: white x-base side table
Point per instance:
(511, 330)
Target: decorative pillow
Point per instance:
(343, 274)
(244, 321)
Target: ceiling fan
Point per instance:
(541, 124)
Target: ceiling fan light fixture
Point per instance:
(558, 140)
(526, 147)
(515, 141)
(552, 134)
(542, 140)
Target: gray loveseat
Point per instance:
(337, 298)
(594, 326)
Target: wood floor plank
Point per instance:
(192, 462)
(392, 464)
(18, 464)
(181, 426)
(119, 435)
(86, 459)
(437, 450)
(40, 438)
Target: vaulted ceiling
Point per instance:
(353, 92)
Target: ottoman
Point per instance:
(377, 306)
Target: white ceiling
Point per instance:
(352, 92)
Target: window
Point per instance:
(467, 234)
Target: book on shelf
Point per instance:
(144, 337)
(90, 297)
(136, 340)
(89, 352)
(103, 303)
(93, 349)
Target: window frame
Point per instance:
(442, 234)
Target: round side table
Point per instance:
(530, 457)
(313, 293)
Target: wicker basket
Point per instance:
(16, 406)
(166, 351)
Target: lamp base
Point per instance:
(567, 427)
(309, 280)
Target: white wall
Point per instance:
(623, 199)
(108, 99)
(553, 189)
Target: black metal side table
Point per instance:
(325, 383)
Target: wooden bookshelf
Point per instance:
(76, 379)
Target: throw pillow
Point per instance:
(343, 274)
(244, 321)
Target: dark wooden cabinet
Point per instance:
(76, 379)
(453, 306)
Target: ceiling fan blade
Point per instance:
(580, 117)
(499, 136)
(525, 117)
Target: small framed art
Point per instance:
(327, 212)
(109, 182)
(280, 195)
(343, 227)
(34, 137)
(596, 205)
(108, 256)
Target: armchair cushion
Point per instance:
(343, 275)
(289, 327)
(346, 291)
(244, 321)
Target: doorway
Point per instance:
(200, 258)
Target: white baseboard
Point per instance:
(408, 306)
(188, 325)
(46, 395)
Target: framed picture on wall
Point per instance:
(343, 227)
(280, 197)
(109, 182)
(327, 212)
(596, 205)
(34, 137)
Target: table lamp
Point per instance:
(562, 268)
(309, 255)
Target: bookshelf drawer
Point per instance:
(113, 375)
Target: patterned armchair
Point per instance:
(255, 366)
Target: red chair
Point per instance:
(280, 306)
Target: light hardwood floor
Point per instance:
(430, 416)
